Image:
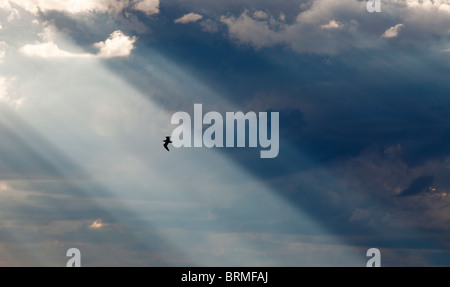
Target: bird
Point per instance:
(167, 141)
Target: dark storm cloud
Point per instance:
(347, 103)
(332, 108)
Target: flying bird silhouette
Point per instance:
(167, 141)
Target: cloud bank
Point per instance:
(331, 27)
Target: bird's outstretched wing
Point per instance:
(166, 146)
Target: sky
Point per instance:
(88, 89)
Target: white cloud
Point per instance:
(49, 33)
(333, 24)
(445, 8)
(1, 27)
(323, 10)
(189, 18)
(440, 5)
(71, 6)
(80, 6)
(3, 47)
(247, 30)
(149, 7)
(49, 50)
(393, 31)
(34, 6)
(14, 14)
(117, 45)
(260, 15)
(3, 87)
(4, 5)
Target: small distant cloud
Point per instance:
(3, 187)
(117, 45)
(260, 15)
(97, 224)
(189, 18)
(333, 24)
(149, 7)
(393, 31)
